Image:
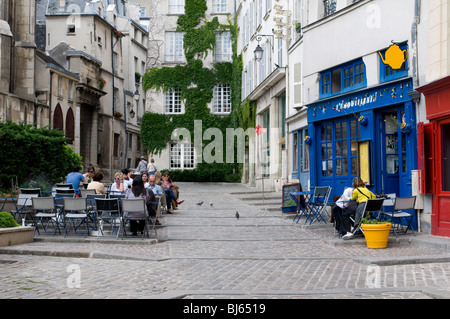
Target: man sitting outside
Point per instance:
(158, 191)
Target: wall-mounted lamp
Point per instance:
(308, 140)
(132, 114)
(363, 121)
(136, 95)
(406, 128)
(259, 51)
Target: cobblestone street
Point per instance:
(205, 252)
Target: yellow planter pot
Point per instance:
(376, 235)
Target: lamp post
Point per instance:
(259, 51)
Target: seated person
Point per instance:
(169, 187)
(127, 181)
(157, 190)
(89, 176)
(97, 184)
(338, 207)
(75, 178)
(117, 187)
(138, 191)
(361, 194)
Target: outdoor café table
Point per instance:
(19, 204)
(302, 209)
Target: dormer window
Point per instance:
(343, 78)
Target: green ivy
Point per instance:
(196, 84)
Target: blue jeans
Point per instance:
(169, 196)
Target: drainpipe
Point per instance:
(414, 39)
(50, 101)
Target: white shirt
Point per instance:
(343, 201)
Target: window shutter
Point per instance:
(426, 152)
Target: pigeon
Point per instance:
(237, 215)
(211, 204)
(200, 204)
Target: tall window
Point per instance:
(329, 7)
(222, 98)
(181, 156)
(387, 73)
(174, 47)
(176, 6)
(300, 151)
(172, 101)
(220, 6)
(222, 50)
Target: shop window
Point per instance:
(300, 154)
(344, 78)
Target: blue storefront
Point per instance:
(368, 132)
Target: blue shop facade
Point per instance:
(367, 132)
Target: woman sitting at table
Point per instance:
(361, 194)
(338, 208)
(97, 184)
(135, 192)
(117, 187)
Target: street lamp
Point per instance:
(259, 51)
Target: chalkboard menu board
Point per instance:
(289, 188)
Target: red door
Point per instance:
(440, 218)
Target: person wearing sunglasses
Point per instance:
(117, 187)
(89, 176)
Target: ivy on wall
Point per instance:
(196, 83)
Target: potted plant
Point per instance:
(289, 207)
(376, 232)
(118, 115)
(101, 83)
(137, 77)
(298, 27)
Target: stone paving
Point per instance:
(204, 252)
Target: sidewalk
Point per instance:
(206, 252)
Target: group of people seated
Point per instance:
(147, 186)
(350, 205)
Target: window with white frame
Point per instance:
(176, 6)
(220, 6)
(172, 101)
(222, 50)
(222, 98)
(174, 47)
(181, 156)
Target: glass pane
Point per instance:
(338, 131)
(338, 167)
(324, 150)
(404, 168)
(445, 157)
(330, 168)
(323, 135)
(344, 148)
(392, 164)
(324, 168)
(354, 148)
(344, 166)
(329, 150)
(353, 129)
(328, 132)
(354, 166)
(338, 149)
(403, 142)
(391, 144)
(344, 129)
(390, 121)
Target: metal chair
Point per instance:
(64, 185)
(133, 206)
(84, 192)
(24, 202)
(45, 208)
(400, 205)
(108, 209)
(75, 209)
(319, 202)
(371, 206)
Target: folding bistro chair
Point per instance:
(319, 202)
(133, 206)
(400, 205)
(108, 210)
(24, 204)
(64, 185)
(84, 192)
(371, 206)
(75, 210)
(45, 208)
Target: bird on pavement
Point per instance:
(200, 204)
(237, 215)
(211, 204)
